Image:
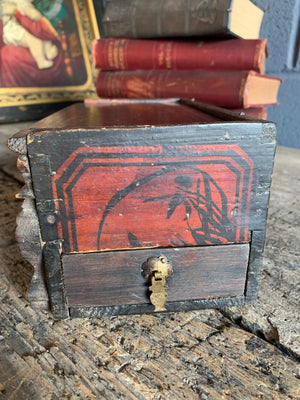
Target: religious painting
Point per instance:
(45, 52)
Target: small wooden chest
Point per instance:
(115, 189)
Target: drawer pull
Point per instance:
(156, 270)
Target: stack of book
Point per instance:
(209, 51)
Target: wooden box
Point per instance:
(114, 184)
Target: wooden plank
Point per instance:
(131, 113)
(53, 277)
(106, 112)
(114, 278)
(186, 356)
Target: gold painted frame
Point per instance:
(23, 97)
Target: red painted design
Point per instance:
(118, 198)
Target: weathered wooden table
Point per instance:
(250, 352)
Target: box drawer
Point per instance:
(115, 279)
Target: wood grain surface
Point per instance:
(121, 197)
(172, 183)
(251, 352)
(114, 278)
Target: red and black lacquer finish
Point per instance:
(153, 196)
(118, 182)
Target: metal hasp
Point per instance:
(156, 270)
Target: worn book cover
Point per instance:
(139, 54)
(162, 18)
(230, 89)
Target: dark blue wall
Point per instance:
(281, 27)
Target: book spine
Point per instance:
(135, 54)
(161, 18)
(224, 89)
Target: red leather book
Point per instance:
(231, 89)
(139, 54)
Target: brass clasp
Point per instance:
(156, 270)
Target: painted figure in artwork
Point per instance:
(39, 44)
(43, 51)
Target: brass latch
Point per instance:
(156, 270)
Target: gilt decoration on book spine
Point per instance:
(139, 54)
(231, 89)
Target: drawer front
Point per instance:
(115, 279)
